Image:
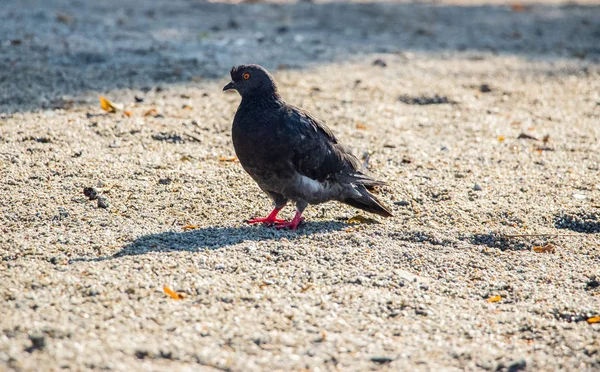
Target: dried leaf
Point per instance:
(231, 159)
(151, 112)
(171, 293)
(109, 106)
(546, 138)
(361, 219)
(186, 107)
(595, 319)
(501, 138)
(189, 227)
(63, 18)
(494, 299)
(518, 8)
(360, 126)
(306, 287)
(548, 248)
(127, 113)
(185, 158)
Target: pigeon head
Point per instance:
(251, 80)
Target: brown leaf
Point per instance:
(501, 138)
(151, 112)
(360, 126)
(361, 219)
(548, 248)
(494, 299)
(186, 107)
(171, 293)
(189, 227)
(595, 319)
(518, 8)
(306, 287)
(231, 159)
(127, 113)
(109, 106)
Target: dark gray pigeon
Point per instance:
(292, 155)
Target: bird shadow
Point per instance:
(213, 238)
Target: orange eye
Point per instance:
(246, 76)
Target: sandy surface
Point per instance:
(81, 287)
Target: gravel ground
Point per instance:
(483, 117)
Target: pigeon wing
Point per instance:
(317, 154)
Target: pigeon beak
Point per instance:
(229, 86)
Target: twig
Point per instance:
(192, 136)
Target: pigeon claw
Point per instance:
(269, 220)
(293, 224)
(266, 220)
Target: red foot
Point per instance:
(269, 220)
(293, 224)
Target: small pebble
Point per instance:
(103, 202)
(484, 88)
(90, 193)
(38, 341)
(477, 187)
(381, 359)
(379, 62)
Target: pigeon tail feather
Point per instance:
(366, 201)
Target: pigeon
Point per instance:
(292, 155)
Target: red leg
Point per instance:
(269, 220)
(294, 223)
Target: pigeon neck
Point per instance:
(262, 98)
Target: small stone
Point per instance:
(592, 283)
(103, 202)
(282, 29)
(379, 62)
(402, 203)
(381, 359)
(484, 88)
(142, 354)
(422, 310)
(519, 365)
(90, 193)
(38, 341)
(63, 213)
(477, 187)
(165, 181)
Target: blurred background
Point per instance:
(55, 48)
